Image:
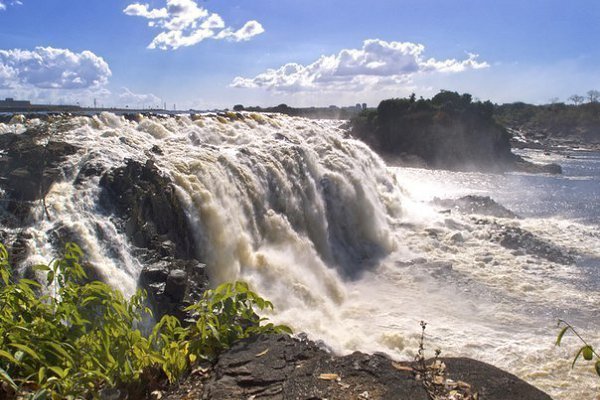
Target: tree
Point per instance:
(576, 99)
(238, 107)
(593, 96)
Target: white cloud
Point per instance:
(50, 68)
(184, 23)
(138, 100)
(5, 4)
(142, 10)
(247, 32)
(377, 64)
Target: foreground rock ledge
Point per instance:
(280, 367)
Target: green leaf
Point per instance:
(6, 378)
(284, 329)
(27, 350)
(50, 277)
(5, 275)
(597, 367)
(43, 394)
(29, 282)
(588, 353)
(3, 253)
(59, 351)
(9, 357)
(577, 356)
(561, 334)
(62, 373)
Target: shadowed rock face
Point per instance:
(151, 215)
(150, 209)
(28, 169)
(278, 367)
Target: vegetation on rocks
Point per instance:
(578, 121)
(73, 338)
(447, 131)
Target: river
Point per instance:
(349, 250)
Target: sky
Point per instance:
(206, 54)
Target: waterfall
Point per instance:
(343, 245)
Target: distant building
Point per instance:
(9, 102)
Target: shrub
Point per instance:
(87, 337)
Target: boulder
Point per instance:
(173, 284)
(176, 285)
(471, 204)
(515, 238)
(278, 367)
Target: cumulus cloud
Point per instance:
(378, 63)
(184, 23)
(51, 68)
(138, 100)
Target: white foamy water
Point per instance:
(349, 250)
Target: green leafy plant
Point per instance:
(85, 336)
(587, 351)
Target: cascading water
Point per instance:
(342, 244)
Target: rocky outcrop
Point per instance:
(28, 168)
(514, 238)
(524, 242)
(151, 215)
(521, 165)
(278, 367)
(147, 203)
(449, 131)
(472, 204)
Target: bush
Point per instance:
(87, 336)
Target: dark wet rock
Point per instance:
(156, 273)
(133, 117)
(89, 170)
(524, 242)
(151, 215)
(471, 204)
(525, 166)
(492, 383)
(19, 250)
(29, 168)
(156, 150)
(176, 285)
(62, 234)
(149, 207)
(280, 367)
(173, 284)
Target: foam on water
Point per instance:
(348, 250)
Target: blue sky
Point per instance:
(209, 54)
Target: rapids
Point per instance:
(349, 250)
